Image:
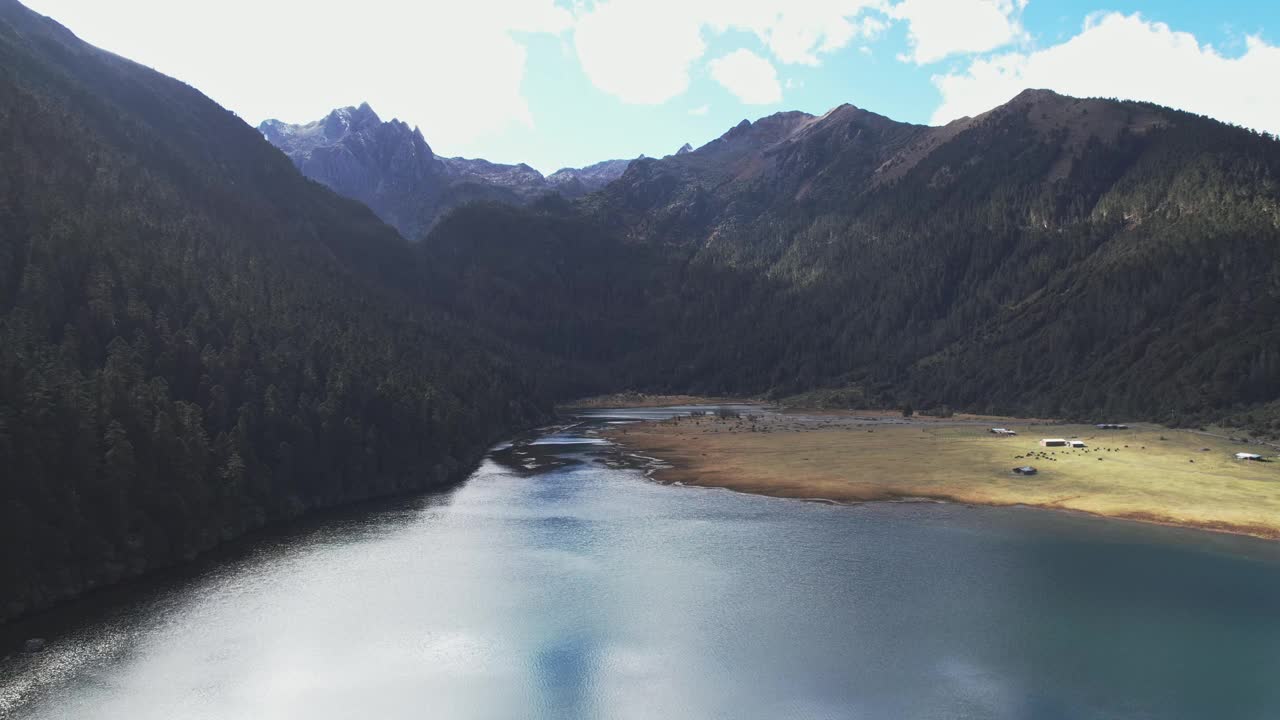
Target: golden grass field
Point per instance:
(1147, 473)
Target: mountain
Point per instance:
(387, 166)
(195, 340)
(1055, 256)
(391, 168)
(575, 182)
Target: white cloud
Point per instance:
(797, 32)
(642, 51)
(748, 76)
(1128, 57)
(455, 70)
(701, 110)
(639, 52)
(939, 28)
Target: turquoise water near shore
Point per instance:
(557, 584)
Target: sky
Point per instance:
(565, 83)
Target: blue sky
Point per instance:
(567, 82)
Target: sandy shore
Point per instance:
(1146, 473)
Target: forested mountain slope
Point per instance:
(195, 340)
(1054, 256)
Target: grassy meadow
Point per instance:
(1146, 473)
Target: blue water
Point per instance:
(580, 590)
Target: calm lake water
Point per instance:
(555, 584)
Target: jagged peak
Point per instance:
(737, 130)
(357, 115)
(273, 128)
(769, 128)
(342, 120)
(685, 148)
(417, 135)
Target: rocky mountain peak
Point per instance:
(390, 167)
(346, 120)
(737, 130)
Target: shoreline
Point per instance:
(811, 457)
(1258, 532)
(1262, 533)
(636, 400)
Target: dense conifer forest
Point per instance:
(196, 341)
(1056, 257)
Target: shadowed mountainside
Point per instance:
(195, 340)
(1054, 256)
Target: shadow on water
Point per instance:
(99, 628)
(157, 592)
(564, 671)
(536, 452)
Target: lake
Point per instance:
(558, 582)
